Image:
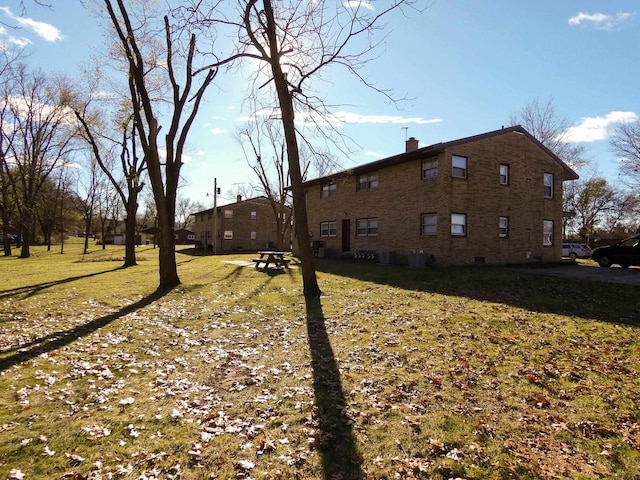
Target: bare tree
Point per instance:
(88, 186)
(295, 42)
(595, 199)
(48, 204)
(184, 209)
(128, 183)
(185, 100)
(623, 219)
(264, 149)
(38, 117)
(107, 211)
(7, 136)
(542, 120)
(625, 142)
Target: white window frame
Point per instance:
(458, 224)
(429, 224)
(254, 215)
(367, 227)
(328, 229)
(228, 214)
(547, 233)
(429, 169)
(504, 174)
(228, 234)
(548, 185)
(503, 227)
(459, 166)
(254, 235)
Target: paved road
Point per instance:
(591, 271)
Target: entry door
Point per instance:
(346, 235)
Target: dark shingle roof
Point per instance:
(434, 150)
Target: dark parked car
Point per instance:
(624, 253)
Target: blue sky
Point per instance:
(464, 65)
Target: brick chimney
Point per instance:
(238, 198)
(412, 144)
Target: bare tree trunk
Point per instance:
(186, 100)
(130, 233)
(25, 251)
(166, 242)
(305, 252)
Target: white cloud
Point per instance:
(373, 154)
(355, 4)
(185, 157)
(338, 119)
(354, 118)
(592, 129)
(45, 31)
(218, 131)
(10, 39)
(600, 21)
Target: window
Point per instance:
(328, 190)
(503, 227)
(429, 169)
(366, 182)
(459, 166)
(548, 185)
(228, 234)
(547, 232)
(228, 214)
(504, 174)
(367, 227)
(328, 229)
(254, 235)
(458, 224)
(254, 215)
(429, 223)
(191, 236)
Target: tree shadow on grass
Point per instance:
(31, 290)
(57, 340)
(336, 442)
(587, 299)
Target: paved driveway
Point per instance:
(591, 271)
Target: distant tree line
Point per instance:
(593, 207)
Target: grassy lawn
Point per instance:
(473, 373)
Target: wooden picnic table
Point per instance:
(271, 259)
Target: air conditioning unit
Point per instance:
(387, 257)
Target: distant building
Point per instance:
(182, 236)
(493, 198)
(117, 235)
(244, 226)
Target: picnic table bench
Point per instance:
(271, 259)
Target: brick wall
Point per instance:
(248, 218)
(402, 196)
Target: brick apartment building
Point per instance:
(246, 225)
(493, 198)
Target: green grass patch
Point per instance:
(479, 372)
